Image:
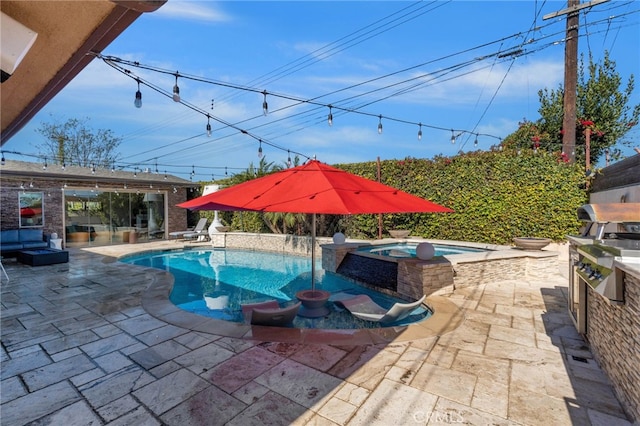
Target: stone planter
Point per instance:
(531, 243)
(399, 233)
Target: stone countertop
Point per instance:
(629, 264)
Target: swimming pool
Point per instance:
(216, 282)
(400, 250)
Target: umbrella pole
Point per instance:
(313, 252)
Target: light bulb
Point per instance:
(475, 142)
(288, 158)
(265, 105)
(380, 126)
(64, 165)
(138, 101)
(453, 137)
(260, 150)
(176, 91)
(420, 132)
(2, 160)
(44, 166)
(208, 127)
(330, 117)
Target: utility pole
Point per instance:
(571, 73)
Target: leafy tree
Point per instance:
(75, 142)
(601, 105)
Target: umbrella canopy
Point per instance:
(314, 187)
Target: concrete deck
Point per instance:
(80, 346)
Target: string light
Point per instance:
(44, 166)
(208, 125)
(135, 172)
(330, 117)
(113, 168)
(380, 124)
(2, 161)
(93, 169)
(260, 149)
(138, 101)
(288, 158)
(115, 63)
(64, 165)
(475, 142)
(176, 91)
(265, 105)
(453, 137)
(420, 131)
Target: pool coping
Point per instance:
(446, 317)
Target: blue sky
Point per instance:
(445, 64)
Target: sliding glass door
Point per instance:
(95, 217)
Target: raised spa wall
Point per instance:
(444, 274)
(413, 277)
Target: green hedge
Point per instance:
(496, 196)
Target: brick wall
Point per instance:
(176, 216)
(614, 334)
(51, 204)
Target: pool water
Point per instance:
(217, 282)
(409, 250)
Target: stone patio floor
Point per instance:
(79, 348)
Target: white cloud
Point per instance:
(194, 11)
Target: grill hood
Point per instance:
(625, 214)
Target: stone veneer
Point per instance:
(280, 243)
(613, 332)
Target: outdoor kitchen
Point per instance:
(604, 283)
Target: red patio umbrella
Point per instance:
(314, 188)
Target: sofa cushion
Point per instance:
(10, 236)
(34, 244)
(7, 247)
(31, 235)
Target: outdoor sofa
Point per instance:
(14, 240)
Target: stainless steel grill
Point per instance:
(596, 254)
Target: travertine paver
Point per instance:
(78, 348)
